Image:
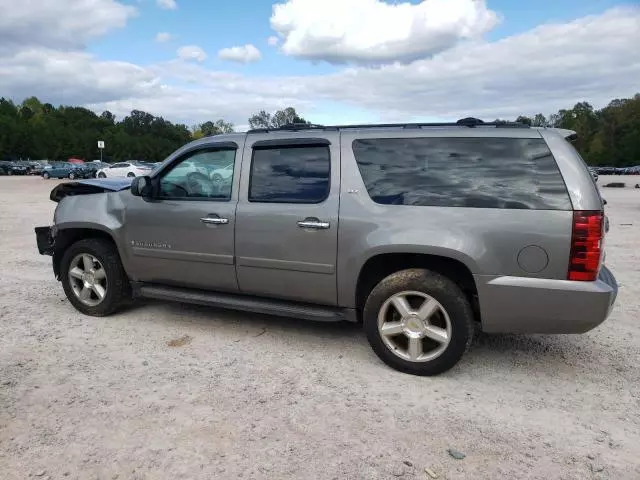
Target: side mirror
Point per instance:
(141, 187)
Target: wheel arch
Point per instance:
(379, 266)
(70, 235)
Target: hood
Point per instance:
(86, 187)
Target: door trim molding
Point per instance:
(255, 262)
(184, 256)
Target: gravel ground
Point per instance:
(171, 391)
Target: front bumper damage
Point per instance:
(45, 240)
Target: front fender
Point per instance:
(76, 216)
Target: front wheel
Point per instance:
(102, 175)
(72, 176)
(45, 175)
(93, 277)
(418, 322)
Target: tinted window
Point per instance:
(290, 175)
(195, 176)
(462, 172)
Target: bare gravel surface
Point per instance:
(172, 391)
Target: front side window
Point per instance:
(194, 176)
(290, 174)
(510, 173)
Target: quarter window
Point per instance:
(512, 173)
(290, 174)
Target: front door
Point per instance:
(185, 234)
(287, 217)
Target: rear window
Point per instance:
(518, 173)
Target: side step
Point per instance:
(245, 303)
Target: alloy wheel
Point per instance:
(88, 279)
(414, 326)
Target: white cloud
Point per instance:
(167, 4)
(376, 32)
(64, 24)
(163, 37)
(192, 52)
(553, 66)
(272, 41)
(244, 54)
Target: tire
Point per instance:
(72, 176)
(131, 174)
(45, 175)
(116, 286)
(452, 315)
(10, 172)
(101, 175)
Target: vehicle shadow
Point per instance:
(497, 352)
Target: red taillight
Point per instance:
(586, 246)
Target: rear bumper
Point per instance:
(44, 239)
(536, 305)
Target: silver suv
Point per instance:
(422, 232)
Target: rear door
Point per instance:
(287, 216)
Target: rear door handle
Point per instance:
(214, 220)
(313, 223)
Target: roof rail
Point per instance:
(463, 122)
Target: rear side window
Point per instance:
(518, 173)
(290, 175)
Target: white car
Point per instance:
(125, 169)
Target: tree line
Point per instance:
(609, 136)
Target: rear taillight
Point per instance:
(586, 246)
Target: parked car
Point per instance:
(15, 168)
(63, 170)
(442, 229)
(4, 168)
(35, 167)
(594, 173)
(125, 169)
(633, 170)
(91, 169)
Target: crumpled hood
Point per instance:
(86, 187)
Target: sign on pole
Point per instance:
(101, 147)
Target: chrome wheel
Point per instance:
(414, 326)
(88, 279)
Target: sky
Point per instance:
(335, 61)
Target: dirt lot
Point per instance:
(172, 391)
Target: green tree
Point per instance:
(263, 119)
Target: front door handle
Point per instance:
(313, 222)
(214, 220)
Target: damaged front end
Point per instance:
(87, 187)
(75, 217)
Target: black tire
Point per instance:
(72, 176)
(440, 288)
(102, 175)
(45, 176)
(131, 174)
(118, 291)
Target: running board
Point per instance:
(245, 303)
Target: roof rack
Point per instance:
(463, 122)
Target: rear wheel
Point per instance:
(93, 277)
(72, 176)
(131, 174)
(418, 322)
(102, 175)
